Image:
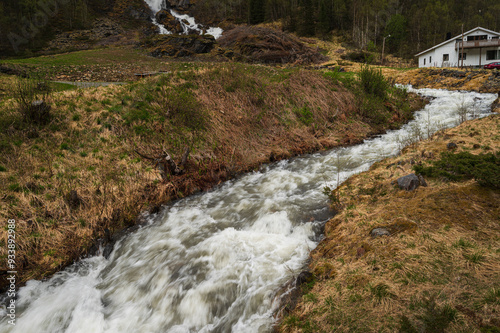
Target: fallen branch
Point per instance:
(166, 164)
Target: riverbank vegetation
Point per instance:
(480, 80)
(89, 170)
(437, 270)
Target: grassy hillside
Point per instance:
(74, 175)
(438, 271)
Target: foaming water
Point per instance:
(187, 22)
(214, 262)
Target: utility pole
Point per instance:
(462, 52)
(383, 50)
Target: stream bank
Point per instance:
(213, 262)
(423, 260)
(84, 180)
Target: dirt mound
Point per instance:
(178, 45)
(266, 45)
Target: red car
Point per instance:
(493, 65)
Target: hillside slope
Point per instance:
(82, 171)
(437, 271)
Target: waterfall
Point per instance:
(187, 22)
(156, 5)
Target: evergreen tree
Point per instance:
(257, 11)
(325, 17)
(306, 18)
(397, 28)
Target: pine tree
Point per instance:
(257, 11)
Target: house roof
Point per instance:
(459, 36)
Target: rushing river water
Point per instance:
(214, 262)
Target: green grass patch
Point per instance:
(484, 168)
(373, 82)
(87, 57)
(434, 318)
(305, 115)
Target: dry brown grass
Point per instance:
(253, 114)
(81, 157)
(437, 78)
(442, 256)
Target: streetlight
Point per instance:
(383, 49)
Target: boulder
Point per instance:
(409, 183)
(165, 18)
(178, 4)
(179, 45)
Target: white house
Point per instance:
(479, 46)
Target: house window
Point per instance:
(430, 60)
(460, 56)
(424, 61)
(480, 37)
(446, 57)
(492, 55)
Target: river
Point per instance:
(214, 262)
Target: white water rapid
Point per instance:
(187, 22)
(214, 262)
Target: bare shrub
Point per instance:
(462, 110)
(31, 95)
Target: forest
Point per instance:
(411, 25)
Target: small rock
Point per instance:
(451, 146)
(379, 232)
(304, 277)
(409, 183)
(422, 181)
(476, 146)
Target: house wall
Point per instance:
(437, 56)
(474, 57)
